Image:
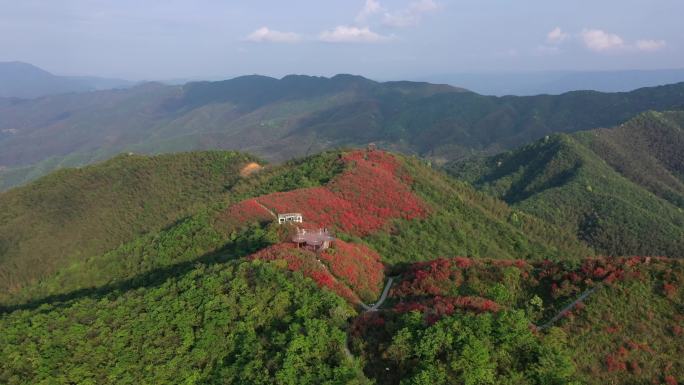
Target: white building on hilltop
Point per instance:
(290, 218)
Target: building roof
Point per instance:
(289, 215)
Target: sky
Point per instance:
(381, 39)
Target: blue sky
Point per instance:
(384, 39)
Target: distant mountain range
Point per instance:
(619, 189)
(558, 82)
(481, 266)
(283, 118)
(23, 80)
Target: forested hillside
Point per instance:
(446, 317)
(280, 119)
(210, 289)
(620, 189)
(234, 322)
(93, 234)
(74, 214)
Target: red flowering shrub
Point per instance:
(432, 278)
(615, 364)
(363, 199)
(617, 361)
(348, 269)
(357, 266)
(369, 320)
(564, 283)
(318, 205)
(305, 261)
(248, 211)
(377, 190)
(438, 307)
(669, 289)
(670, 380)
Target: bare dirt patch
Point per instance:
(250, 169)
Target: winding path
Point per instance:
(382, 298)
(566, 309)
(266, 208)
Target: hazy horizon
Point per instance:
(379, 39)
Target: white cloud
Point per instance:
(603, 42)
(266, 35)
(556, 36)
(349, 34)
(650, 45)
(600, 41)
(410, 16)
(370, 8)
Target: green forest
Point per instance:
(194, 282)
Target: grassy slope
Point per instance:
(618, 197)
(77, 213)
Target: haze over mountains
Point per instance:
(23, 80)
(297, 115)
(558, 82)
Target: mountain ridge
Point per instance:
(297, 115)
(609, 185)
(71, 217)
(26, 81)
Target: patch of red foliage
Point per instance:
(440, 276)
(670, 380)
(372, 191)
(438, 307)
(365, 322)
(349, 270)
(305, 262)
(616, 362)
(431, 278)
(620, 360)
(248, 211)
(670, 290)
(565, 283)
(356, 265)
